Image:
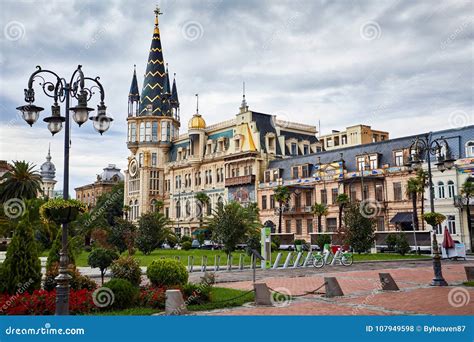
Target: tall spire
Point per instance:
(243, 106)
(150, 103)
(197, 104)
(48, 157)
(134, 95)
(174, 92)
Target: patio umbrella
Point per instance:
(447, 239)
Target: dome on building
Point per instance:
(197, 122)
(111, 174)
(48, 170)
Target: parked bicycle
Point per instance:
(328, 257)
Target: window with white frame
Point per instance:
(142, 131)
(451, 223)
(470, 149)
(441, 193)
(373, 162)
(148, 131)
(451, 189)
(398, 155)
(154, 131)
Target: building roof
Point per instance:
(48, 170)
(111, 174)
(197, 122)
(155, 75)
(456, 138)
(133, 93)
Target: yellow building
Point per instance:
(352, 136)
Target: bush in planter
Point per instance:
(167, 272)
(77, 281)
(59, 210)
(323, 239)
(101, 258)
(125, 293)
(186, 245)
(299, 244)
(127, 268)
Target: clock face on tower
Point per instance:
(133, 167)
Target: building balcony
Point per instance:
(294, 210)
(241, 180)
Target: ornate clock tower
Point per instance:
(153, 123)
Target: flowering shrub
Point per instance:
(153, 297)
(42, 302)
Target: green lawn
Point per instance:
(468, 283)
(145, 260)
(220, 298)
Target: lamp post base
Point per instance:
(438, 279)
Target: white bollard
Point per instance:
(204, 263)
(277, 261)
(305, 264)
(298, 257)
(190, 263)
(251, 261)
(241, 262)
(287, 261)
(217, 262)
(229, 263)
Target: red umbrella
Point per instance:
(447, 239)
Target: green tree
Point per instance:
(341, 200)
(101, 258)
(319, 210)
(122, 235)
(402, 246)
(412, 190)
(109, 205)
(53, 255)
(422, 177)
(22, 263)
(152, 232)
(203, 200)
(434, 219)
(359, 229)
(232, 224)
(281, 195)
(22, 181)
(467, 192)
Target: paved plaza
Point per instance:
(362, 295)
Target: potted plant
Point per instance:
(434, 219)
(60, 211)
(299, 245)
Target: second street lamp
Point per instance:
(421, 150)
(62, 91)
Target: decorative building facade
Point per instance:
(375, 174)
(352, 136)
(104, 183)
(224, 161)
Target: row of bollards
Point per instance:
(204, 266)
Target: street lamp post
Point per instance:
(420, 149)
(62, 91)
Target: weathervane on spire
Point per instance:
(157, 13)
(197, 103)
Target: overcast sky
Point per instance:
(401, 66)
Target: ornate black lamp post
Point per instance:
(62, 91)
(421, 149)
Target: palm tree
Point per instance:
(341, 200)
(22, 181)
(422, 177)
(467, 191)
(412, 189)
(203, 199)
(319, 210)
(281, 195)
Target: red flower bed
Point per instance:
(42, 302)
(153, 297)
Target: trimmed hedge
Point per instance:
(128, 268)
(125, 294)
(167, 272)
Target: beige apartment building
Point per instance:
(352, 136)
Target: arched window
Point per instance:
(142, 131)
(441, 190)
(178, 209)
(130, 210)
(451, 191)
(220, 202)
(470, 149)
(188, 208)
(137, 210)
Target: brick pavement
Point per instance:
(363, 297)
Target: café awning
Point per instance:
(403, 217)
